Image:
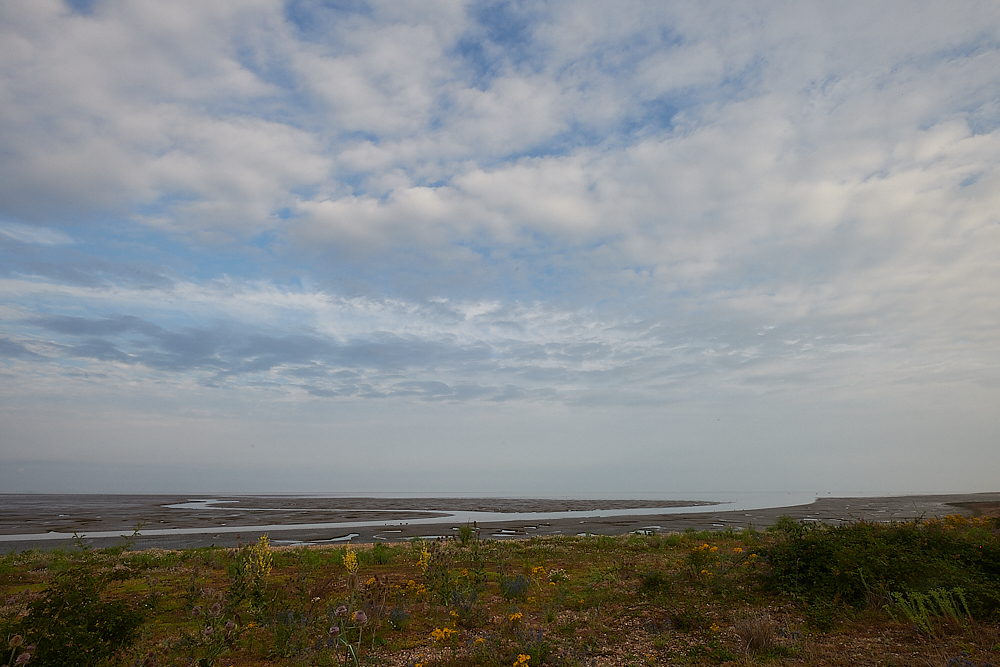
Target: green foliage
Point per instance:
(72, 624)
(379, 554)
(846, 563)
(925, 610)
(248, 572)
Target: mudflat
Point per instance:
(232, 520)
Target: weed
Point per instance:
(515, 587)
(756, 633)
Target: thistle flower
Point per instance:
(360, 617)
(23, 659)
(209, 631)
(335, 630)
(16, 641)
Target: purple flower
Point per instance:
(215, 609)
(196, 611)
(22, 659)
(335, 630)
(230, 625)
(341, 611)
(209, 630)
(360, 617)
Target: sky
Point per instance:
(512, 248)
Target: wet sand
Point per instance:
(387, 518)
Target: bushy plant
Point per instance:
(73, 624)
(847, 562)
(248, 572)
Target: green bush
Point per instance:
(72, 624)
(849, 563)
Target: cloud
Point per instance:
(499, 205)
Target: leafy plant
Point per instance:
(73, 624)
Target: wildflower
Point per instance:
(479, 640)
(531, 600)
(738, 550)
(351, 561)
(442, 634)
(453, 613)
(16, 641)
(522, 660)
(23, 659)
(196, 611)
(360, 617)
(713, 549)
(230, 625)
(538, 571)
(370, 582)
(341, 611)
(209, 631)
(715, 627)
(516, 616)
(335, 630)
(251, 624)
(215, 609)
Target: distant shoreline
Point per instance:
(177, 521)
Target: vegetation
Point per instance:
(923, 593)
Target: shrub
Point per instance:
(846, 563)
(72, 624)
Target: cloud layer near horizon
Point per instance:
(644, 206)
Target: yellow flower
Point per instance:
(738, 550)
(370, 582)
(714, 549)
(515, 617)
(442, 634)
(479, 640)
(522, 659)
(351, 561)
(715, 627)
(531, 600)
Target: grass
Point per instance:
(881, 594)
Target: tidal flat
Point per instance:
(41, 521)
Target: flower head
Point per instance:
(335, 630)
(360, 617)
(341, 611)
(23, 659)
